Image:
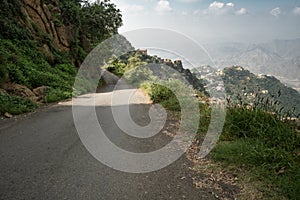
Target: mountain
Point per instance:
(279, 58)
(264, 91)
(288, 49)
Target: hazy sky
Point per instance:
(214, 21)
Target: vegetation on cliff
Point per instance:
(41, 44)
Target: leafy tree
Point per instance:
(99, 20)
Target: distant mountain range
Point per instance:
(280, 58)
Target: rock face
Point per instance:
(190, 77)
(39, 14)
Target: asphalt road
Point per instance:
(42, 157)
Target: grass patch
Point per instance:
(264, 146)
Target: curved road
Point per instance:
(42, 157)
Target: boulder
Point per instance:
(20, 90)
(40, 92)
(7, 115)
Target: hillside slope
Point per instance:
(43, 42)
(262, 91)
(153, 66)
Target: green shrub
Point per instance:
(16, 75)
(15, 105)
(160, 93)
(55, 95)
(171, 104)
(117, 69)
(67, 68)
(22, 61)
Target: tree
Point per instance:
(100, 20)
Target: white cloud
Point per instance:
(216, 5)
(241, 11)
(296, 11)
(163, 6)
(276, 12)
(219, 8)
(132, 8)
(230, 4)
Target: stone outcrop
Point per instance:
(189, 76)
(20, 90)
(35, 95)
(41, 92)
(39, 19)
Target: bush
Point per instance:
(67, 68)
(160, 93)
(55, 95)
(118, 70)
(15, 105)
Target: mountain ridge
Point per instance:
(245, 87)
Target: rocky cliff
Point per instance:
(38, 13)
(43, 42)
